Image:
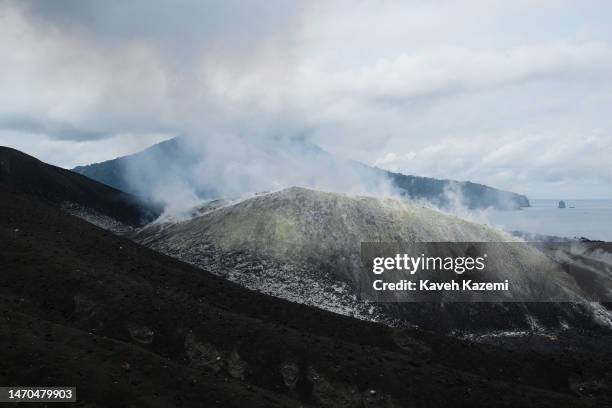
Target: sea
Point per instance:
(591, 219)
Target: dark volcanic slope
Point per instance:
(59, 186)
(131, 327)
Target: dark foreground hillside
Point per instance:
(60, 187)
(131, 327)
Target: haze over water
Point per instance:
(588, 218)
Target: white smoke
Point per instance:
(454, 202)
(234, 166)
(231, 78)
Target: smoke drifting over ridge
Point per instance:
(442, 89)
(196, 69)
(182, 172)
(191, 68)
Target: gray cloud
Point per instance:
(239, 27)
(511, 94)
(183, 31)
(56, 130)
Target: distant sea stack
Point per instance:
(561, 204)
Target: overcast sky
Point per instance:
(513, 94)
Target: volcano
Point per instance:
(128, 326)
(304, 245)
